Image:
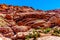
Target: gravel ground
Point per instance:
(49, 38)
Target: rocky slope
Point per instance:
(26, 23)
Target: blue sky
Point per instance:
(37, 4)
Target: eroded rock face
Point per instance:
(16, 23)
